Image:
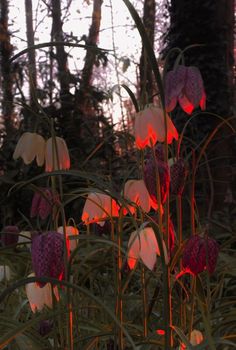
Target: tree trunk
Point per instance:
(61, 55)
(208, 23)
(146, 77)
(5, 67)
(90, 57)
(31, 53)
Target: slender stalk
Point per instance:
(144, 295)
(167, 307)
(119, 290)
(192, 199)
(180, 238)
(193, 289)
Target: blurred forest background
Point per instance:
(75, 85)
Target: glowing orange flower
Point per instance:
(184, 85)
(143, 245)
(70, 231)
(30, 146)
(136, 191)
(149, 127)
(57, 155)
(196, 338)
(98, 207)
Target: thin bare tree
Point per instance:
(5, 68)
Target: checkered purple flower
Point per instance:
(200, 253)
(48, 255)
(42, 203)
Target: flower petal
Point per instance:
(134, 246)
(185, 104)
(194, 86)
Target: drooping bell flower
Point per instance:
(42, 203)
(143, 245)
(98, 207)
(184, 85)
(47, 251)
(29, 147)
(151, 167)
(9, 235)
(149, 127)
(136, 191)
(70, 231)
(56, 155)
(39, 297)
(5, 273)
(200, 253)
(196, 338)
(178, 174)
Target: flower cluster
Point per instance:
(53, 152)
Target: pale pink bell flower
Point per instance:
(149, 127)
(56, 155)
(29, 147)
(40, 296)
(98, 207)
(196, 338)
(136, 191)
(143, 245)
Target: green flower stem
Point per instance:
(180, 238)
(192, 198)
(54, 306)
(145, 303)
(66, 253)
(191, 314)
(158, 190)
(119, 290)
(167, 307)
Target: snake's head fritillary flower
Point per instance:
(5, 273)
(9, 235)
(184, 85)
(200, 253)
(39, 297)
(98, 207)
(56, 154)
(149, 127)
(42, 203)
(136, 191)
(47, 251)
(151, 167)
(71, 231)
(196, 338)
(143, 245)
(29, 147)
(178, 174)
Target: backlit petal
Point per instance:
(185, 104)
(133, 249)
